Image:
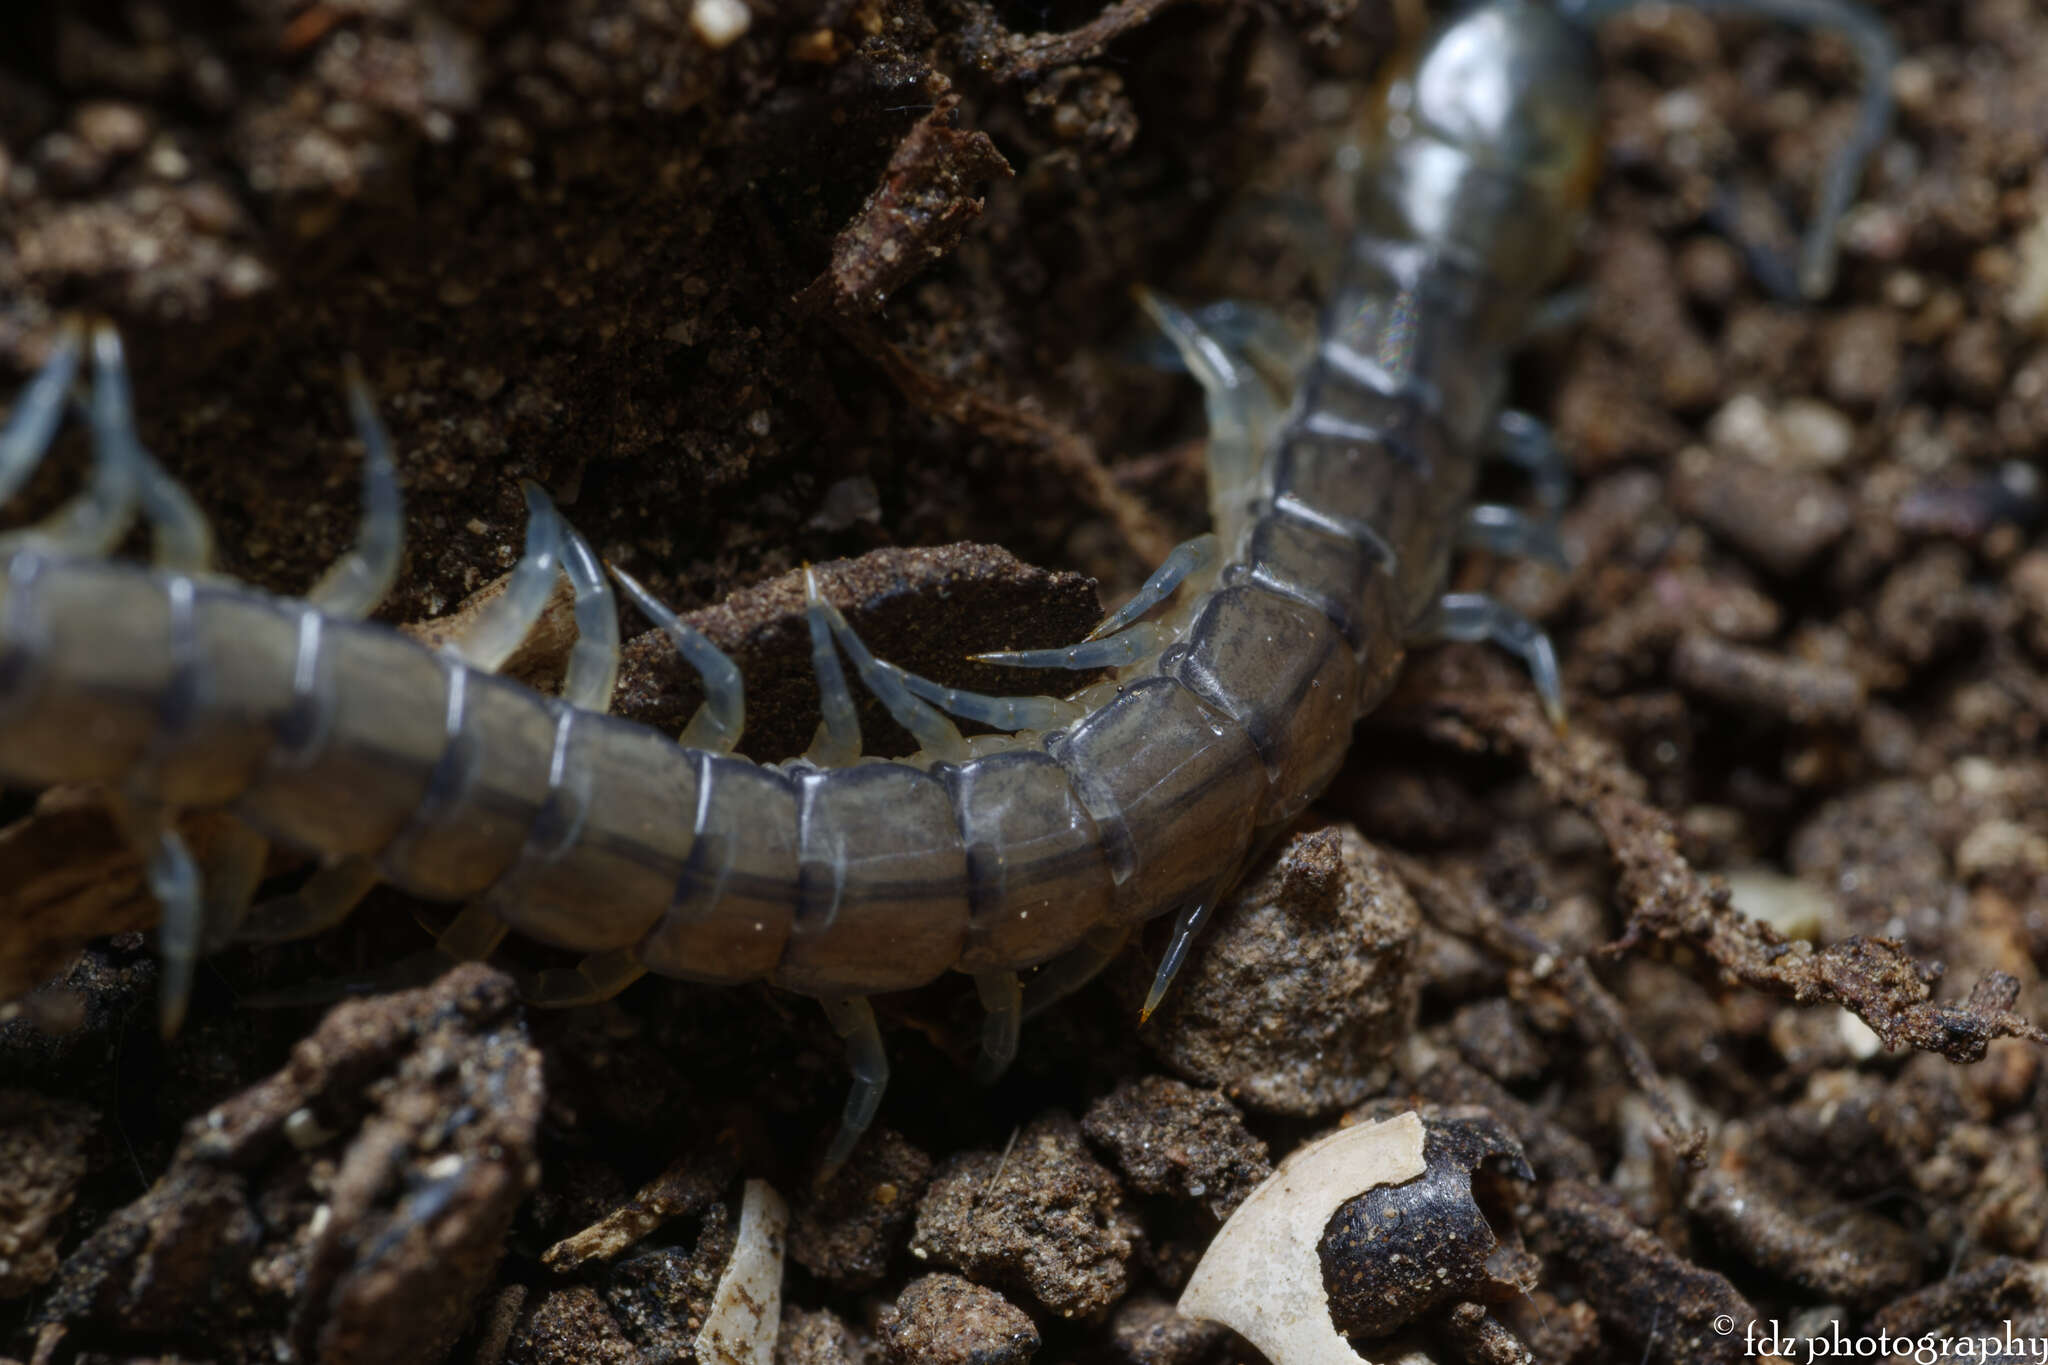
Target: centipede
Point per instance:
(1023, 858)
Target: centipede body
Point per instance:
(1338, 506)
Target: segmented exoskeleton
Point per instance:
(1337, 506)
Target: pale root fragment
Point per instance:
(1261, 1277)
(746, 1310)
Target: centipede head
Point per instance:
(1487, 139)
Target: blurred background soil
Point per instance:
(858, 280)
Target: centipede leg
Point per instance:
(94, 521)
(904, 694)
(837, 741)
(1072, 970)
(1475, 618)
(1187, 559)
(1002, 996)
(357, 581)
(594, 662)
(718, 722)
(1186, 928)
(1525, 442)
(472, 936)
(499, 628)
(39, 411)
(1510, 531)
(933, 732)
(173, 880)
(853, 1019)
(234, 867)
(1240, 327)
(325, 900)
(1239, 406)
(597, 977)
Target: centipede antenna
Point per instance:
(1876, 53)
(500, 627)
(1239, 406)
(594, 662)
(934, 734)
(853, 1019)
(354, 584)
(1002, 997)
(1111, 651)
(717, 724)
(837, 741)
(1187, 559)
(39, 411)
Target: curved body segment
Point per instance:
(1339, 506)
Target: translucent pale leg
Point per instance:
(1510, 531)
(999, 713)
(1072, 970)
(1188, 558)
(1111, 651)
(837, 741)
(594, 662)
(94, 521)
(174, 881)
(1240, 408)
(233, 869)
(357, 582)
(1876, 53)
(1186, 928)
(853, 1019)
(500, 627)
(1002, 997)
(327, 898)
(717, 724)
(597, 977)
(933, 732)
(1475, 618)
(39, 411)
(1525, 442)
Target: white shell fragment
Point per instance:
(719, 23)
(746, 1309)
(1261, 1277)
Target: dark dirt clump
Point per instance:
(945, 1320)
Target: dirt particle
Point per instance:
(1170, 1138)
(847, 1230)
(1044, 1217)
(944, 1320)
(1295, 997)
